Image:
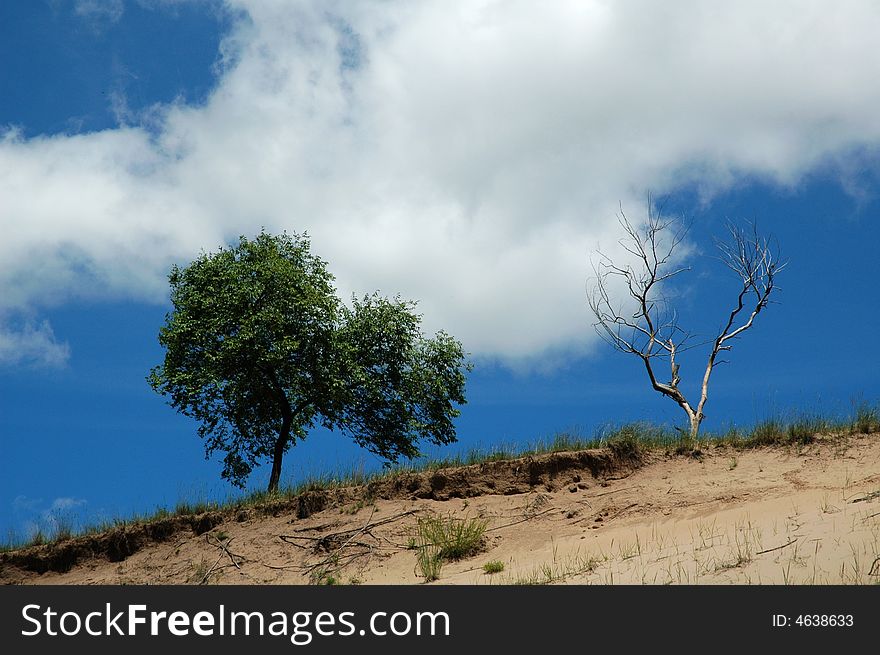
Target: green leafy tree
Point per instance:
(259, 349)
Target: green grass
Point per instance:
(429, 561)
(630, 441)
(454, 538)
(555, 571)
(495, 566)
(866, 419)
(440, 539)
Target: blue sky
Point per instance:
(469, 155)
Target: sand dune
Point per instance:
(782, 515)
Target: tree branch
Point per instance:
(652, 330)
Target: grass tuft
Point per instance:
(629, 443)
(429, 561)
(495, 566)
(441, 539)
(866, 419)
(454, 538)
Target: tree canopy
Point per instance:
(259, 349)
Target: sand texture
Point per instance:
(783, 515)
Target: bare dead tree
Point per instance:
(651, 331)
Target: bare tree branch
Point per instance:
(652, 330)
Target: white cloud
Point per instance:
(32, 345)
(469, 154)
(99, 10)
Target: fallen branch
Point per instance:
(225, 549)
(315, 528)
(210, 570)
(770, 550)
(326, 541)
(870, 496)
(338, 561)
(335, 543)
(335, 560)
(280, 568)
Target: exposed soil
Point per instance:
(808, 514)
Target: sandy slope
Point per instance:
(783, 515)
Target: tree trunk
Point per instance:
(278, 455)
(696, 419)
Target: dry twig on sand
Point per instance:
(334, 543)
(225, 548)
(868, 497)
(234, 558)
(330, 540)
(770, 550)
